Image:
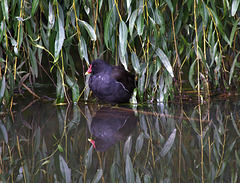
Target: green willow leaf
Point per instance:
(65, 170)
(127, 147)
(139, 143)
(132, 21)
(88, 157)
(235, 4)
(75, 88)
(164, 59)
(107, 28)
(170, 5)
(89, 29)
(233, 31)
(51, 17)
(2, 87)
(84, 50)
(60, 148)
(140, 24)
(34, 7)
(98, 176)
(37, 140)
(234, 125)
(113, 171)
(60, 88)
(33, 62)
(2, 29)
(4, 5)
(4, 132)
(129, 4)
(135, 62)
(232, 68)
(237, 158)
(191, 74)
(167, 146)
(123, 33)
(20, 35)
(129, 170)
(59, 38)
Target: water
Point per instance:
(89, 142)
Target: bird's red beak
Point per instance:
(89, 70)
(92, 142)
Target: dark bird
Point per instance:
(110, 83)
(110, 125)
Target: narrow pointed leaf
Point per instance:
(88, 157)
(191, 74)
(98, 176)
(127, 147)
(164, 59)
(139, 143)
(233, 32)
(89, 29)
(129, 170)
(235, 4)
(51, 17)
(2, 87)
(59, 38)
(65, 170)
(132, 21)
(33, 62)
(123, 32)
(135, 62)
(34, 7)
(84, 49)
(170, 5)
(4, 5)
(167, 146)
(232, 68)
(37, 140)
(140, 24)
(4, 132)
(234, 125)
(107, 28)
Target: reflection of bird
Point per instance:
(109, 83)
(110, 125)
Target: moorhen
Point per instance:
(111, 84)
(110, 125)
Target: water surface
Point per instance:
(89, 142)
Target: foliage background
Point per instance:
(155, 39)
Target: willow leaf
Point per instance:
(2, 87)
(123, 32)
(140, 24)
(191, 74)
(89, 29)
(233, 32)
(235, 4)
(98, 176)
(135, 62)
(59, 38)
(4, 132)
(4, 4)
(170, 5)
(132, 21)
(34, 7)
(167, 146)
(33, 62)
(232, 68)
(129, 170)
(164, 59)
(107, 27)
(66, 172)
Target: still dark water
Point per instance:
(175, 142)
